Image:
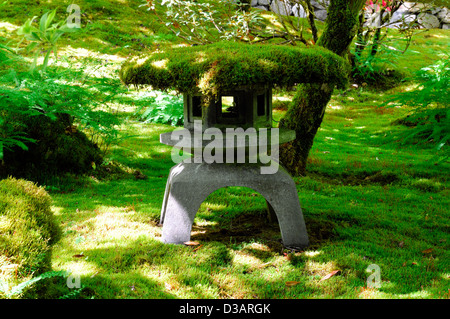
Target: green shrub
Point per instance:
(45, 111)
(427, 104)
(27, 227)
(60, 147)
(165, 109)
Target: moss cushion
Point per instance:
(218, 67)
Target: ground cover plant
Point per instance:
(368, 197)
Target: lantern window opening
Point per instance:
(196, 106)
(228, 107)
(261, 105)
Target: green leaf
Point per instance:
(50, 18)
(56, 36)
(21, 145)
(31, 46)
(33, 36)
(43, 22)
(26, 27)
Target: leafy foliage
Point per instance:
(19, 289)
(206, 21)
(430, 115)
(165, 109)
(45, 110)
(375, 56)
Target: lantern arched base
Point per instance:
(189, 184)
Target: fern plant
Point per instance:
(17, 290)
(165, 109)
(429, 103)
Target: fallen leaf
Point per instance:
(331, 274)
(198, 248)
(78, 256)
(191, 243)
(427, 251)
(292, 283)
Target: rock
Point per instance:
(413, 7)
(446, 26)
(318, 5)
(430, 17)
(298, 11)
(444, 16)
(408, 18)
(262, 8)
(321, 15)
(373, 19)
(428, 21)
(264, 2)
(281, 7)
(436, 10)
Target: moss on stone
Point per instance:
(210, 69)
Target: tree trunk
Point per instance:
(306, 112)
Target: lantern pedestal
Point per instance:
(189, 184)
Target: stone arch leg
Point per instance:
(189, 184)
(288, 211)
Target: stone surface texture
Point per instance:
(189, 184)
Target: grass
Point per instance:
(367, 199)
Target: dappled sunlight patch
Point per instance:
(80, 53)
(245, 260)
(231, 287)
(109, 229)
(8, 26)
(57, 210)
(79, 267)
(312, 253)
(370, 293)
(319, 269)
(161, 64)
(118, 227)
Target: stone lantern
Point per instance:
(227, 87)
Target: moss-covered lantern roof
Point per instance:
(209, 69)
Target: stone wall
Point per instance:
(429, 17)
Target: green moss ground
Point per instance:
(367, 199)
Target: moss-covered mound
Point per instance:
(27, 227)
(59, 147)
(219, 67)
